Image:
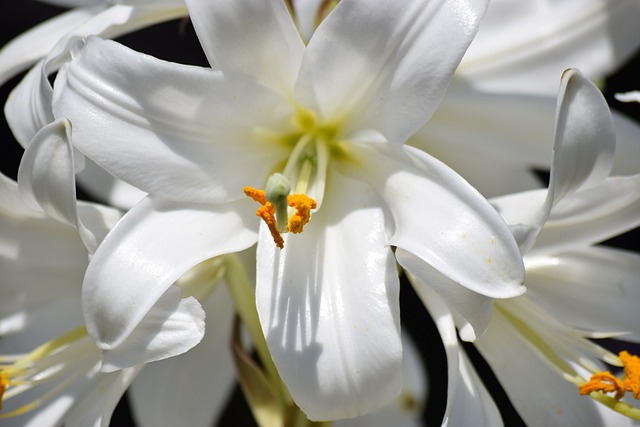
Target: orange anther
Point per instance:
(257, 195)
(4, 382)
(631, 373)
(607, 383)
(303, 205)
(267, 212)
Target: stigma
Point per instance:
(281, 211)
(606, 382)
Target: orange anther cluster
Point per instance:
(303, 205)
(267, 212)
(631, 373)
(606, 382)
(4, 382)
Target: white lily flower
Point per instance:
(538, 344)
(58, 382)
(332, 116)
(43, 261)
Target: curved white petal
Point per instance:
(190, 389)
(95, 407)
(592, 216)
(595, 289)
(46, 180)
(584, 143)
(42, 263)
(146, 252)
(36, 43)
(383, 64)
(524, 46)
(471, 306)
(256, 38)
(583, 154)
(178, 131)
(539, 394)
(442, 220)
(468, 401)
(172, 326)
(29, 105)
(329, 309)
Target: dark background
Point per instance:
(176, 41)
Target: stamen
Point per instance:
(275, 202)
(267, 212)
(4, 382)
(303, 205)
(606, 382)
(631, 373)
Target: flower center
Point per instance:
(289, 197)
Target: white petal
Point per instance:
(29, 105)
(171, 327)
(583, 153)
(190, 389)
(524, 46)
(540, 395)
(473, 307)
(42, 263)
(442, 220)
(328, 305)
(633, 96)
(256, 38)
(36, 43)
(179, 131)
(384, 64)
(584, 143)
(146, 252)
(46, 180)
(95, 407)
(468, 401)
(592, 216)
(594, 289)
(406, 409)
